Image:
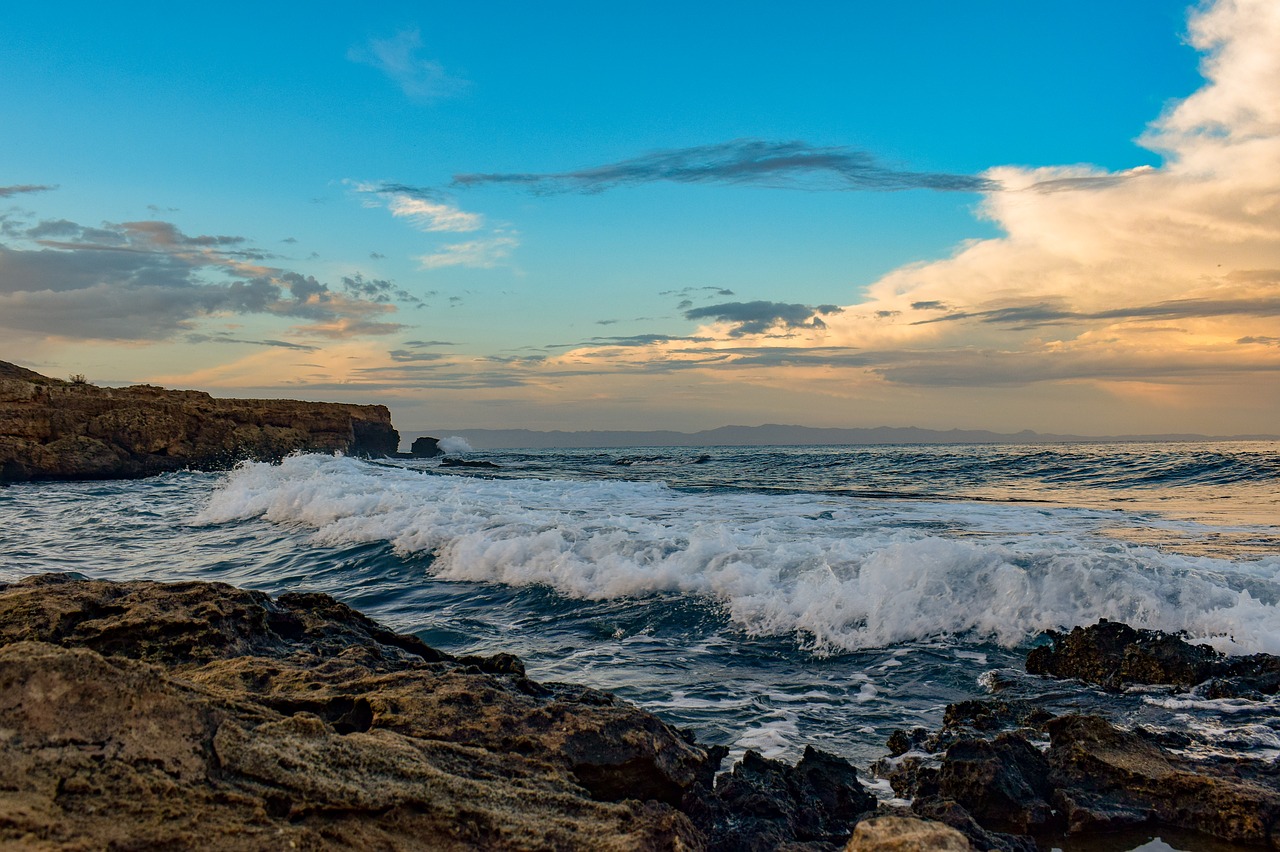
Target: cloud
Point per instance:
(1110, 297)
(749, 162)
(759, 317)
(483, 254)
(146, 281)
(379, 290)
(23, 188)
(222, 337)
(1039, 314)
(400, 58)
(426, 209)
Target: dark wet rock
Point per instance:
(53, 429)
(1002, 782)
(993, 714)
(480, 463)
(1115, 655)
(1093, 777)
(764, 804)
(425, 448)
(953, 815)
(1107, 777)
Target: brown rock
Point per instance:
(905, 834)
(197, 715)
(1109, 777)
(51, 429)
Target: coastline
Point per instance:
(187, 713)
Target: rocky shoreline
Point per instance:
(55, 429)
(199, 715)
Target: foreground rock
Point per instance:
(1094, 777)
(53, 429)
(1114, 655)
(197, 715)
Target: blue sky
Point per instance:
(691, 217)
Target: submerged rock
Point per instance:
(53, 429)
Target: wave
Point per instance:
(838, 574)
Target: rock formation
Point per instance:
(198, 715)
(1114, 655)
(986, 771)
(1094, 777)
(54, 429)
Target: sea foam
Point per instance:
(839, 574)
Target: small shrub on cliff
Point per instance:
(78, 379)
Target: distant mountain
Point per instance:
(772, 434)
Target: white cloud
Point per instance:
(1157, 277)
(433, 215)
(399, 58)
(484, 254)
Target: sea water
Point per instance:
(768, 598)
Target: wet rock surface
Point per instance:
(1005, 770)
(198, 715)
(1114, 655)
(54, 429)
(1094, 777)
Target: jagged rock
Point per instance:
(452, 462)
(905, 834)
(1114, 655)
(1094, 777)
(764, 804)
(197, 714)
(1110, 777)
(52, 429)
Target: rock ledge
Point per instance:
(54, 429)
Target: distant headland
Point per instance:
(772, 434)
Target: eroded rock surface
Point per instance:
(1114, 655)
(198, 715)
(54, 429)
(1093, 777)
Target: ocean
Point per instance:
(766, 597)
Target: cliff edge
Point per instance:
(55, 429)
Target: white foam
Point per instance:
(869, 574)
(455, 444)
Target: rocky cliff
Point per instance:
(54, 429)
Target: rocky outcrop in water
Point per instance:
(1114, 655)
(54, 429)
(198, 715)
(989, 773)
(1094, 777)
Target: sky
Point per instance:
(1059, 216)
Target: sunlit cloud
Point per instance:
(483, 254)
(424, 208)
(1160, 276)
(400, 58)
